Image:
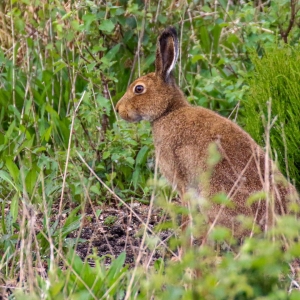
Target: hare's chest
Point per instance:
(176, 162)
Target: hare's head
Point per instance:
(150, 96)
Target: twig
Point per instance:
(68, 157)
(137, 53)
(284, 33)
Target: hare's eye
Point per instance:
(139, 89)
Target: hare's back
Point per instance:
(182, 140)
(199, 127)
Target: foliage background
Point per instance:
(63, 66)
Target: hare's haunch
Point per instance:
(182, 136)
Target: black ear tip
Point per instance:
(171, 30)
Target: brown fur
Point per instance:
(182, 135)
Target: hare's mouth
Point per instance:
(132, 118)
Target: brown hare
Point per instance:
(182, 135)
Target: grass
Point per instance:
(276, 81)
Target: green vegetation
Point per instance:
(110, 220)
(63, 149)
(275, 86)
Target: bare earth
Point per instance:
(123, 234)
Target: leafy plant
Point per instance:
(110, 220)
(80, 280)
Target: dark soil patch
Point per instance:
(118, 229)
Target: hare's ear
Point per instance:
(166, 53)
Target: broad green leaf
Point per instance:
(130, 160)
(116, 267)
(95, 189)
(88, 19)
(106, 154)
(197, 57)
(104, 103)
(75, 224)
(142, 156)
(135, 177)
(13, 169)
(107, 25)
(31, 178)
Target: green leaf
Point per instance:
(107, 25)
(135, 177)
(95, 189)
(31, 178)
(159, 264)
(14, 207)
(72, 216)
(142, 156)
(149, 61)
(47, 134)
(216, 32)
(258, 196)
(204, 39)
(111, 54)
(221, 198)
(106, 154)
(104, 103)
(72, 226)
(10, 129)
(197, 57)
(116, 267)
(59, 65)
(88, 20)
(13, 169)
(130, 160)
(6, 177)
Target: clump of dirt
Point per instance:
(119, 229)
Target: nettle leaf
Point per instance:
(104, 103)
(88, 19)
(106, 154)
(95, 189)
(130, 160)
(107, 25)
